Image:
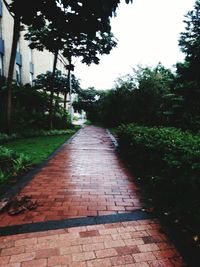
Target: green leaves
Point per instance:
(79, 30)
(137, 97)
(11, 163)
(20, 163)
(44, 81)
(168, 160)
(189, 40)
(188, 78)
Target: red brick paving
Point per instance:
(86, 178)
(98, 245)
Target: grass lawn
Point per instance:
(38, 148)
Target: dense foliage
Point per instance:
(139, 97)
(155, 96)
(188, 78)
(83, 18)
(167, 161)
(31, 108)
(149, 96)
(11, 163)
(190, 44)
(88, 100)
(44, 81)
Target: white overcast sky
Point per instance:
(147, 33)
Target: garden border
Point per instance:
(15, 189)
(74, 222)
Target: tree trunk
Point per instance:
(65, 100)
(52, 91)
(70, 94)
(70, 89)
(16, 31)
(56, 104)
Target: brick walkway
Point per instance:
(86, 178)
(139, 244)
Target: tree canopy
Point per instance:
(72, 45)
(80, 16)
(188, 77)
(70, 16)
(190, 45)
(44, 80)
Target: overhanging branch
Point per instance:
(62, 60)
(8, 8)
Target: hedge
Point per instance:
(167, 162)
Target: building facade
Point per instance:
(29, 62)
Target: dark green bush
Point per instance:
(11, 163)
(30, 109)
(167, 161)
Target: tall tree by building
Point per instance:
(82, 16)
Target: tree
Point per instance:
(88, 49)
(137, 97)
(83, 45)
(88, 100)
(51, 39)
(190, 43)
(44, 81)
(188, 78)
(27, 13)
(143, 93)
(82, 16)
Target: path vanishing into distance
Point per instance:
(88, 213)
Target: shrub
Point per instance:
(167, 161)
(11, 163)
(31, 109)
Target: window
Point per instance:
(1, 28)
(31, 78)
(18, 64)
(1, 8)
(18, 45)
(1, 47)
(31, 66)
(18, 74)
(31, 55)
(1, 65)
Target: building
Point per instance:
(29, 62)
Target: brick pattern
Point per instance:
(137, 243)
(86, 178)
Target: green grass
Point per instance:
(38, 148)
